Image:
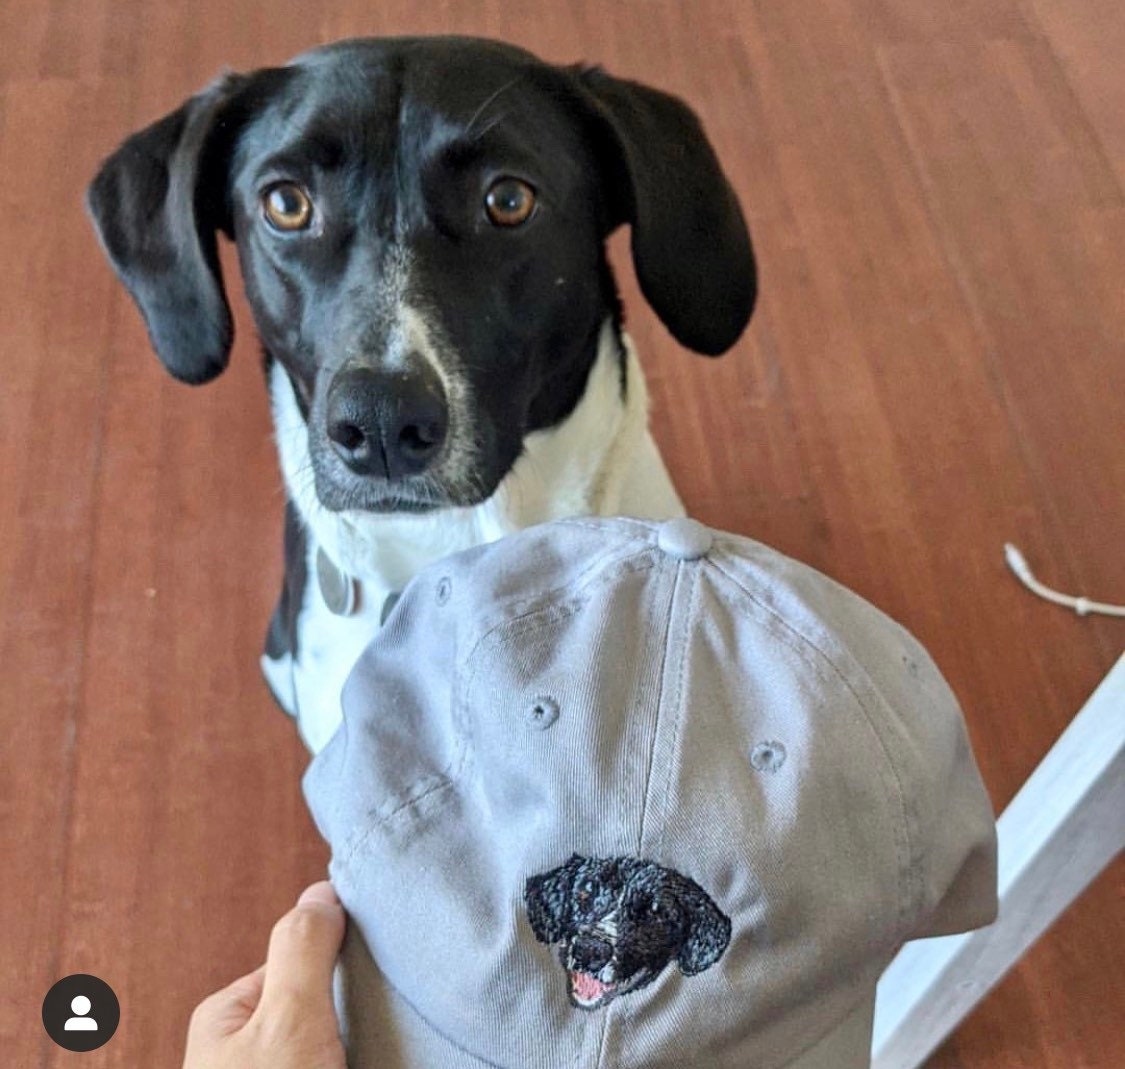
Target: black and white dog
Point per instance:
(620, 922)
(421, 227)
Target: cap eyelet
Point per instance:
(542, 712)
(768, 756)
(444, 589)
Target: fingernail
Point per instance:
(319, 894)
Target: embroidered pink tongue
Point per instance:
(587, 987)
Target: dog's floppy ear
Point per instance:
(156, 204)
(548, 901)
(708, 931)
(691, 248)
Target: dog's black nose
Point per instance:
(590, 953)
(388, 423)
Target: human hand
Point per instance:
(281, 1015)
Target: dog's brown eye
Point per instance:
(287, 207)
(509, 202)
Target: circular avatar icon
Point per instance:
(81, 1012)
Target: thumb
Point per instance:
(302, 953)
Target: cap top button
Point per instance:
(684, 539)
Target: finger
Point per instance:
(302, 952)
(246, 992)
(229, 1009)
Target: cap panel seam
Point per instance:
(434, 785)
(543, 606)
(651, 762)
(688, 576)
(645, 526)
(904, 850)
(686, 588)
(646, 769)
(678, 705)
(604, 564)
(603, 1042)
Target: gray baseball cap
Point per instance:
(618, 794)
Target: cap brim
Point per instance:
(846, 1046)
(383, 1031)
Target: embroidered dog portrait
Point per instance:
(620, 921)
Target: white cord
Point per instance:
(1082, 606)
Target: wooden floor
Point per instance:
(937, 193)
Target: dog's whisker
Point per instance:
(487, 102)
(482, 133)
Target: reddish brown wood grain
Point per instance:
(937, 194)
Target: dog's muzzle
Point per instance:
(586, 962)
(590, 952)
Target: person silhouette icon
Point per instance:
(80, 1005)
(81, 1012)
